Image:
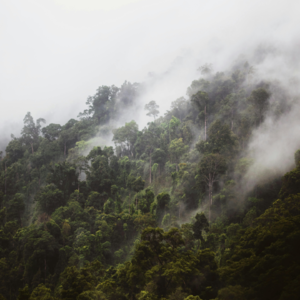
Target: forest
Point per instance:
(166, 213)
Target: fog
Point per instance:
(54, 54)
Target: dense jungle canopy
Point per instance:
(164, 214)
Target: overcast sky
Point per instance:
(55, 53)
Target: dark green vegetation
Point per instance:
(164, 215)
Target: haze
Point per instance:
(56, 53)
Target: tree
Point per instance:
(290, 183)
(41, 292)
(126, 137)
(179, 107)
(24, 293)
(150, 139)
(146, 201)
(211, 167)
(229, 108)
(173, 127)
(176, 149)
(128, 94)
(99, 104)
(259, 99)
(16, 208)
(31, 130)
(199, 225)
(220, 140)
(230, 292)
(137, 184)
(74, 282)
(52, 131)
(201, 100)
(67, 136)
(152, 109)
(297, 157)
(99, 175)
(264, 264)
(14, 151)
(159, 157)
(64, 176)
(163, 200)
(96, 199)
(205, 69)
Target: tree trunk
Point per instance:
(205, 123)
(31, 147)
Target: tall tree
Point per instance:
(67, 136)
(150, 138)
(200, 225)
(211, 167)
(31, 130)
(152, 109)
(179, 107)
(99, 105)
(201, 100)
(126, 137)
(176, 149)
(51, 132)
(259, 99)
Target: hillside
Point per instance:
(172, 211)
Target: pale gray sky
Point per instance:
(54, 53)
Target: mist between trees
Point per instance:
(180, 209)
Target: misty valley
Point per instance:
(182, 209)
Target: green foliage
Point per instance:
(176, 149)
(163, 200)
(192, 298)
(290, 183)
(146, 201)
(136, 184)
(24, 293)
(220, 140)
(297, 157)
(50, 198)
(41, 293)
(125, 137)
(232, 293)
(63, 210)
(16, 207)
(92, 295)
(96, 200)
(258, 260)
(200, 224)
